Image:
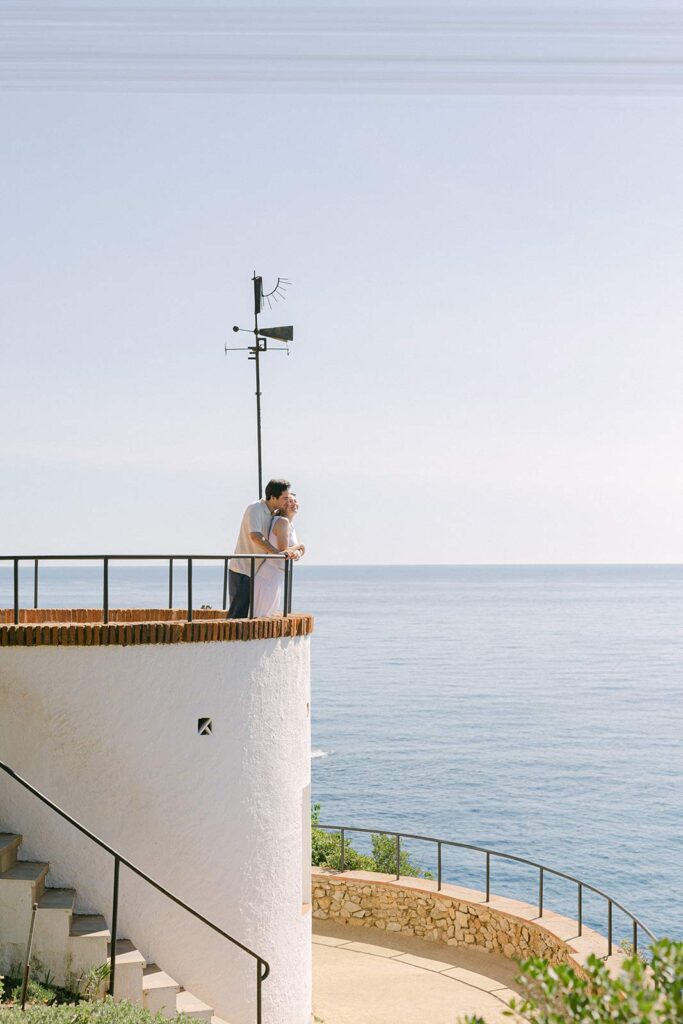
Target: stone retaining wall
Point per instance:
(408, 906)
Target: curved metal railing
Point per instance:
(262, 966)
(171, 559)
(543, 870)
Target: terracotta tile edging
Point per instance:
(134, 627)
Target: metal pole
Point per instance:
(170, 583)
(291, 581)
(488, 877)
(225, 584)
(105, 591)
(343, 858)
(189, 590)
(114, 923)
(286, 588)
(259, 997)
(35, 582)
(27, 965)
(540, 892)
(438, 866)
(398, 855)
(635, 936)
(251, 590)
(257, 352)
(16, 591)
(580, 909)
(609, 927)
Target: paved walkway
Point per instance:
(367, 976)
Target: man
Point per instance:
(253, 539)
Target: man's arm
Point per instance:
(267, 548)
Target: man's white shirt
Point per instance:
(256, 519)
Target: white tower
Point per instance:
(110, 723)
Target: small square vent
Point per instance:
(204, 726)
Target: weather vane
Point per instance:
(261, 337)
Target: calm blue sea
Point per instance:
(534, 710)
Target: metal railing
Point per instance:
(542, 869)
(262, 966)
(16, 560)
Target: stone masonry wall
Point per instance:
(438, 917)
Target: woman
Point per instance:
(270, 576)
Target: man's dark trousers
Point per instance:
(238, 585)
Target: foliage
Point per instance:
(641, 994)
(105, 1012)
(384, 857)
(35, 993)
(40, 991)
(91, 983)
(326, 852)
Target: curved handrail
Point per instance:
(542, 868)
(263, 967)
(190, 559)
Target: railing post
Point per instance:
(114, 924)
(225, 584)
(170, 583)
(540, 892)
(398, 855)
(251, 588)
(105, 591)
(635, 936)
(343, 856)
(609, 927)
(16, 591)
(29, 951)
(580, 909)
(488, 877)
(438, 866)
(259, 994)
(285, 589)
(35, 582)
(189, 590)
(291, 584)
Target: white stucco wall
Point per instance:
(110, 734)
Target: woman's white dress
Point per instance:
(270, 577)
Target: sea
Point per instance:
(531, 710)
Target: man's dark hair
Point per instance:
(274, 488)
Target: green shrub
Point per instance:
(40, 989)
(326, 852)
(106, 1012)
(642, 994)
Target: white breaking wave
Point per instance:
(318, 753)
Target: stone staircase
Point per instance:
(68, 945)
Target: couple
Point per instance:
(267, 528)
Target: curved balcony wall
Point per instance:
(454, 916)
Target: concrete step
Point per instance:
(28, 871)
(20, 887)
(191, 1006)
(87, 943)
(53, 920)
(130, 965)
(9, 844)
(57, 899)
(89, 926)
(159, 991)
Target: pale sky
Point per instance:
(487, 364)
